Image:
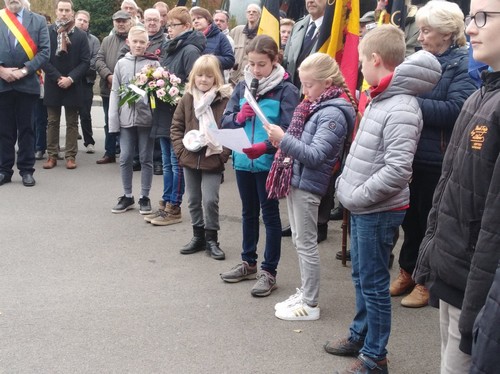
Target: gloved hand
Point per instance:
(245, 112)
(255, 151)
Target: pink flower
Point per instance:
(166, 74)
(142, 79)
(161, 92)
(157, 52)
(151, 84)
(173, 91)
(174, 79)
(160, 83)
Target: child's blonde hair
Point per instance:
(388, 42)
(137, 30)
(323, 67)
(209, 65)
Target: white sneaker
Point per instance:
(292, 300)
(90, 148)
(298, 312)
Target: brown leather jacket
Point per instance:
(184, 121)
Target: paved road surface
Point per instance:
(85, 291)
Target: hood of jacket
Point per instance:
(418, 74)
(192, 37)
(214, 30)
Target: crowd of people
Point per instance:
(424, 153)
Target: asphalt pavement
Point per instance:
(83, 290)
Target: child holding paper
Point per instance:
(199, 154)
(277, 97)
(302, 169)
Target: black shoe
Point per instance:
(136, 165)
(287, 231)
(338, 256)
(28, 180)
(145, 205)
(322, 232)
(213, 250)
(197, 244)
(343, 347)
(4, 179)
(337, 214)
(124, 203)
(158, 169)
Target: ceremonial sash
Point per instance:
(20, 32)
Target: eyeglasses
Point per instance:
(479, 18)
(170, 25)
(155, 20)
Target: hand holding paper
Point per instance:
(245, 112)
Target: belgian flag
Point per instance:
(339, 37)
(270, 20)
(394, 13)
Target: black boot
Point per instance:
(197, 243)
(212, 248)
(337, 214)
(322, 231)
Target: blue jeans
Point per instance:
(252, 188)
(173, 175)
(110, 139)
(372, 237)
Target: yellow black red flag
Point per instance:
(270, 20)
(339, 37)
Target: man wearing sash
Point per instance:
(25, 48)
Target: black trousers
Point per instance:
(16, 124)
(85, 115)
(422, 188)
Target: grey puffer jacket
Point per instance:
(137, 114)
(320, 145)
(379, 165)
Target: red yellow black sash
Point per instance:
(20, 32)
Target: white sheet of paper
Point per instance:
(234, 139)
(256, 108)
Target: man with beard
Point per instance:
(64, 72)
(19, 86)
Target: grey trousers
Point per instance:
(202, 188)
(129, 137)
(303, 215)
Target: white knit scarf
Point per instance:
(203, 111)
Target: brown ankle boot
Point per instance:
(418, 298)
(402, 284)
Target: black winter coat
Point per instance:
(486, 347)
(180, 55)
(459, 254)
(74, 64)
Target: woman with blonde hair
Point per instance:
(441, 25)
(302, 169)
(201, 157)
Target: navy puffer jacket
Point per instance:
(441, 106)
(219, 46)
